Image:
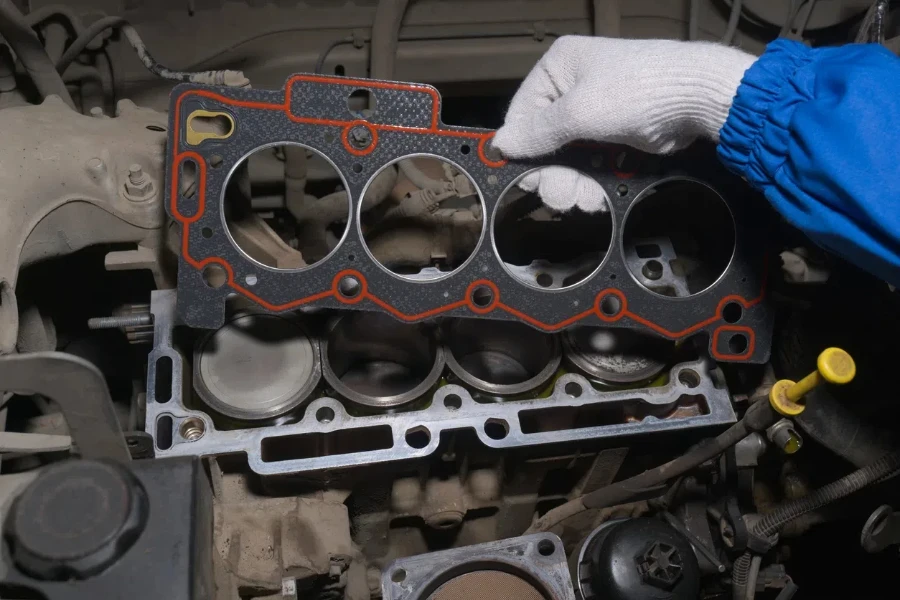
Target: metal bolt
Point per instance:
(360, 137)
(97, 112)
(135, 174)
(120, 322)
(139, 186)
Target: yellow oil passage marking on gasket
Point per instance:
(211, 131)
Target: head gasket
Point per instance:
(312, 111)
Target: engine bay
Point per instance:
(285, 324)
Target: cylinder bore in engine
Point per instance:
(256, 366)
(613, 357)
(500, 358)
(376, 361)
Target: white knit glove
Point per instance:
(654, 95)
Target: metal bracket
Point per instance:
(80, 391)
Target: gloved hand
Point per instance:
(654, 95)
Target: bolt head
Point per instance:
(360, 137)
(660, 565)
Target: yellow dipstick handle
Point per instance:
(833, 365)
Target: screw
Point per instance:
(122, 321)
(360, 137)
(97, 112)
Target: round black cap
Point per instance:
(641, 559)
(75, 520)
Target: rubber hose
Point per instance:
(694, 20)
(84, 39)
(733, 20)
(385, 36)
(833, 425)
(757, 418)
(18, 34)
(773, 521)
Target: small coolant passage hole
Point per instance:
(325, 415)
(689, 378)
(465, 149)
(496, 429)
(361, 103)
(214, 275)
(188, 178)
(421, 217)
(277, 215)
(164, 432)
(546, 548)
(192, 429)
(482, 296)
(546, 248)
(738, 343)
(453, 402)
(398, 576)
(573, 389)
(163, 382)
(732, 312)
(349, 287)
(206, 232)
(418, 437)
(610, 305)
(678, 238)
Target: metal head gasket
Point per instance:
(524, 568)
(328, 436)
(312, 111)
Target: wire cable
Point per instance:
(28, 49)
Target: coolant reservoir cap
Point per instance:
(76, 519)
(640, 559)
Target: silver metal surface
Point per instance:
(373, 360)
(500, 358)
(539, 559)
(616, 356)
(498, 425)
(79, 390)
(256, 366)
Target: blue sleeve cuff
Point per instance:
(754, 140)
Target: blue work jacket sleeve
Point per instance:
(818, 132)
